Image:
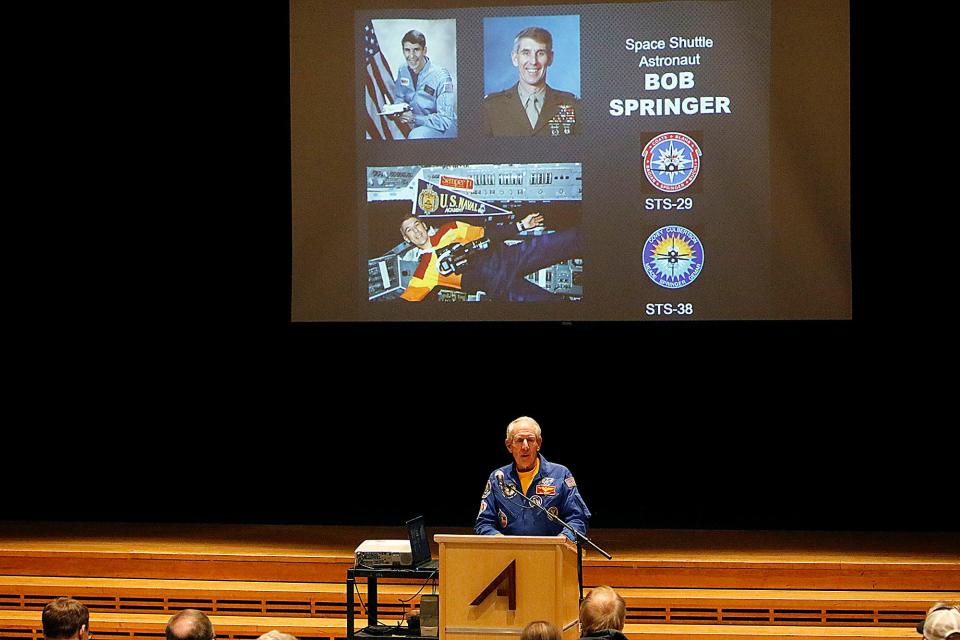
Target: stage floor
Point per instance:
(337, 543)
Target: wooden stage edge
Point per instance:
(641, 557)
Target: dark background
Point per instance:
(167, 384)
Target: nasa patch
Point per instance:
(673, 256)
(546, 481)
(671, 161)
(503, 519)
(570, 482)
(486, 490)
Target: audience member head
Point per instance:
(276, 635)
(66, 618)
(603, 608)
(190, 624)
(540, 630)
(942, 623)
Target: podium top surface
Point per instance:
(507, 540)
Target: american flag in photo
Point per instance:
(379, 90)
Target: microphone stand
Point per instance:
(581, 539)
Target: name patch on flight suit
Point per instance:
(430, 91)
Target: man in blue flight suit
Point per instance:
(552, 485)
(428, 89)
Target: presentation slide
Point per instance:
(643, 161)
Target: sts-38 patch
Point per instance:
(503, 519)
(486, 490)
(570, 482)
(671, 161)
(543, 490)
(673, 256)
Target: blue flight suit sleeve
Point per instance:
(573, 509)
(442, 113)
(500, 232)
(486, 524)
(404, 89)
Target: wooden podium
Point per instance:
(493, 586)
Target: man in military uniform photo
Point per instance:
(531, 107)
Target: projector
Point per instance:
(384, 553)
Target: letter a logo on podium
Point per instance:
(505, 585)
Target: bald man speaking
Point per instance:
(551, 485)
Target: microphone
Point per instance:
(506, 488)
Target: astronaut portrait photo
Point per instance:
(409, 79)
(532, 76)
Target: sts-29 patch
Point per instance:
(673, 256)
(546, 490)
(486, 490)
(570, 482)
(503, 519)
(671, 161)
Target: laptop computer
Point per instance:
(419, 546)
